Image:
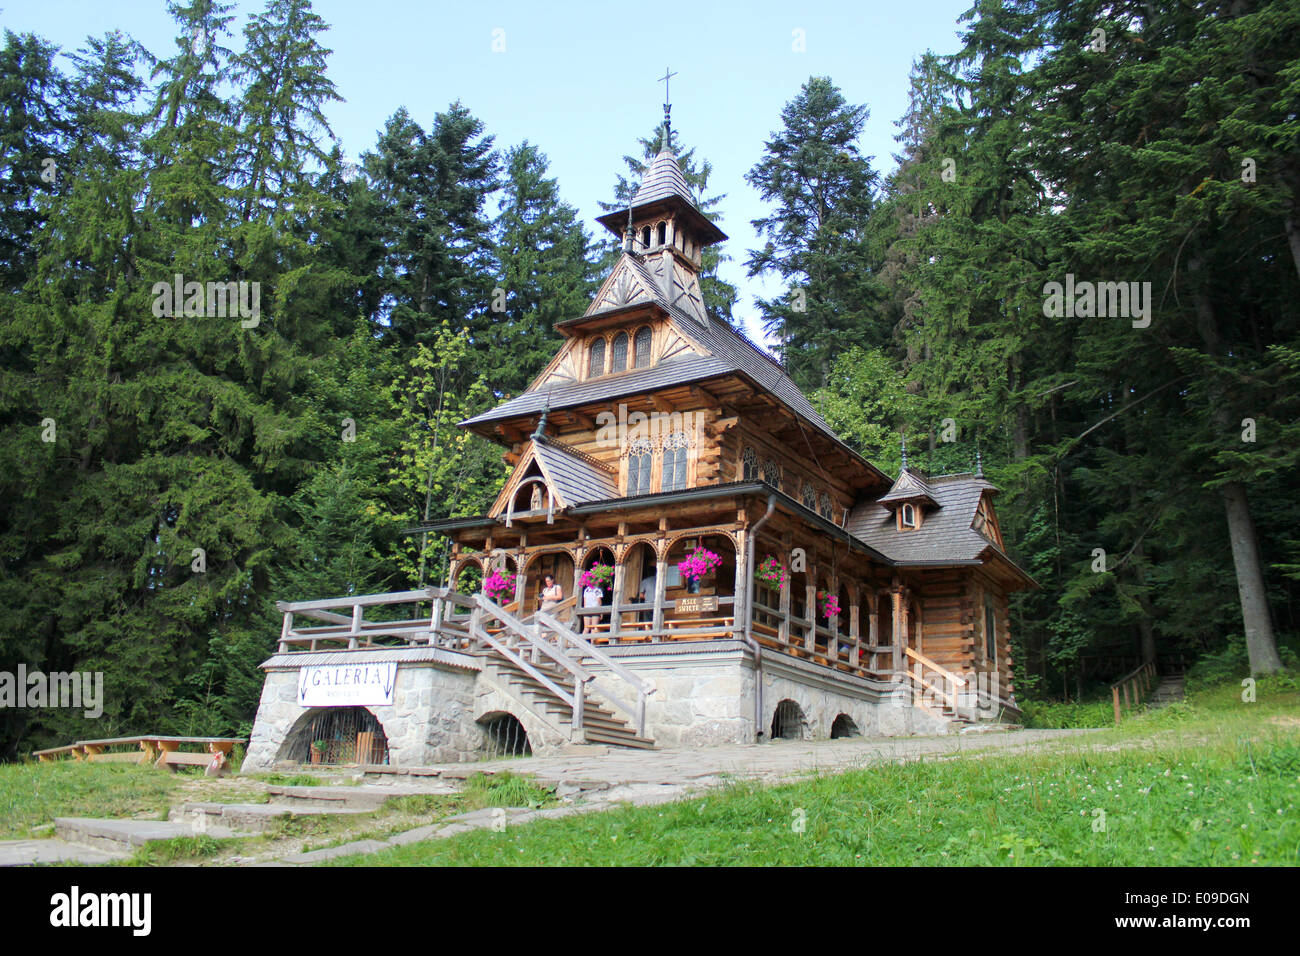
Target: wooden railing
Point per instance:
(923, 672)
(569, 650)
(826, 645)
(445, 626)
(1133, 687)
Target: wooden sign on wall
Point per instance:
(695, 604)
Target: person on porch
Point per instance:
(593, 595)
(552, 594)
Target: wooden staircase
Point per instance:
(599, 725)
(551, 669)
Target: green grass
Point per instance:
(505, 790)
(1098, 713)
(1214, 781)
(182, 849)
(32, 794)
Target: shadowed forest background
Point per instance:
(164, 480)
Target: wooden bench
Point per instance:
(171, 756)
(161, 751)
(699, 623)
(53, 753)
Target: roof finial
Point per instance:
(668, 122)
(540, 430)
(904, 451)
(979, 464)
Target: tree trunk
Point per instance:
(1261, 646)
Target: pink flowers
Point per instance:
(699, 563)
(599, 575)
(772, 573)
(828, 604)
(497, 584)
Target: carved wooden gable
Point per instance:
(624, 286)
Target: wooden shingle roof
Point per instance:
(664, 178)
(577, 478)
(945, 535)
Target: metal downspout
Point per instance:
(749, 616)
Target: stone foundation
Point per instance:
(704, 696)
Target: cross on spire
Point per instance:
(668, 127)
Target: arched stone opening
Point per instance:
(504, 735)
(335, 736)
(844, 726)
(788, 722)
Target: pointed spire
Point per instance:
(668, 122)
(904, 468)
(979, 464)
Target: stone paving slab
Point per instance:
(32, 852)
(129, 834)
(252, 816)
(329, 853)
(769, 762)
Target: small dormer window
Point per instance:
(907, 517)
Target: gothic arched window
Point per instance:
(596, 359)
(642, 345)
(663, 233)
(749, 465)
(772, 473)
(673, 476)
(824, 506)
(618, 354)
(808, 496)
(640, 457)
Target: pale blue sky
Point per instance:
(578, 79)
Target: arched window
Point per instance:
(642, 343)
(645, 237)
(596, 360)
(673, 476)
(663, 233)
(909, 516)
(808, 496)
(618, 354)
(824, 506)
(772, 473)
(639, 460)
(749, 465)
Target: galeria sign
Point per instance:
(369, 685)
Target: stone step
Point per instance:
(128, 835)
(34, 852)
(251, 817)
(353, 798)
(592, 735)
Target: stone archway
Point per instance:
(504, 735)
(844, 726)
(336, 736)
(789, 722)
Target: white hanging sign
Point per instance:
(333, 685)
